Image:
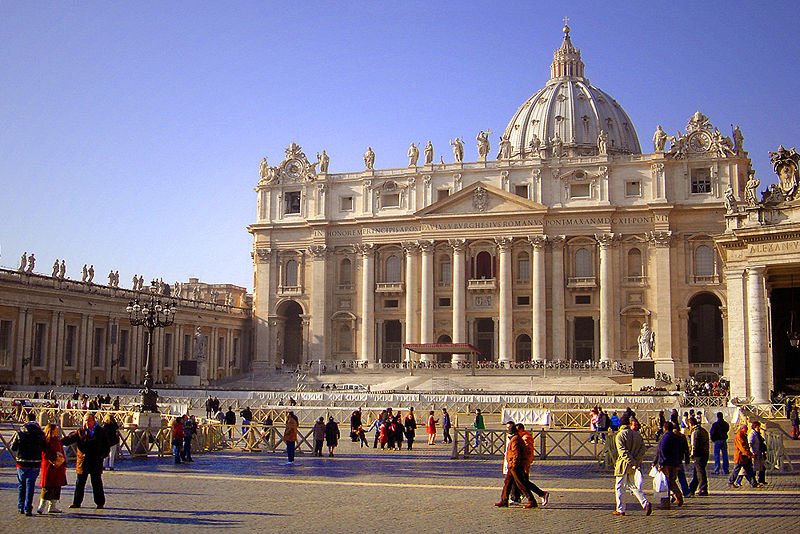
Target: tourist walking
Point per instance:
(319, 436)
(446, 425)
(699, 445)
(742, 459)
(111, 428)
(530, 450)
(27, 445)
(719, 435)
(669, 456)
(758, 446)
(410, 424)
(355, 424)
(794, 419)
(209, 407)
(54, 471)
(631, 450)
(682, 481)
(515, 460)
(92, 446)
(230, 420)
(480, 427)
(376, 425)
(290, 436)
(430, 428)
(177, 439)
(332, 435)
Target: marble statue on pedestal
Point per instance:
(458, 149)
(659, 139)
(31, 263)
(413, 155)
(55, 269)
(751, 188)
(23, 262)
(483, 144)
(62, 270)
(647, 342)
(429, 153)
(602, 143)
(369, 158)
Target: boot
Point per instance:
(54, 508)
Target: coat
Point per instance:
(700, 443)
(290, 432)
(52, 476)
(516, 453)
(758, 448)
(319, 431)
(630, 449)
(332, 434)
(741, 448)
(530, 447)
(92, 447)
(431, 426)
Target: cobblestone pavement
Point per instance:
(371, 491)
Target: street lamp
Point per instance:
(151, 313)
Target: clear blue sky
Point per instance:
(131, 132)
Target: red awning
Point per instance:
(442, 348)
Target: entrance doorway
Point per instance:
(444, 357)
(583, 339)
(392, 341)
(484, 332)
(290, 348)
(706, 354)
(785, 358)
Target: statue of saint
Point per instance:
(458, 149)
(505, 148)
(84, 273)
(263, 169)
(602, 143)
(23, 262)
(62, 270)
(31, 263)
(369, 158)
(738, 140)
(483, 145)
(536, 146)
(429, 153)
(323, 162)
(111, 278)
(659, 139)
(750, 189)
(730, 200)
(647, 342)
(135, 285)
(90, 272)
(55, 269)
(557, 146)
(413, 155)
(116, 278)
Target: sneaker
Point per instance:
(648, 509)
(29, 514)
(73, 505)
(55, 510)
(512, 502)
(501, 504)
(530, 504)
(545, 498)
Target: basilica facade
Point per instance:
(560, 245)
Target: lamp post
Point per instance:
(151, 313)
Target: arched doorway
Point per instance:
(785, 304)
(706, 354)
(444, 339)
(290, 341)
(392, 341)
(522, 348)
(484, 330)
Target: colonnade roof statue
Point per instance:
(568, 108)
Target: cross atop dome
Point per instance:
(567, 59)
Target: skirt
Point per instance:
(51, 493)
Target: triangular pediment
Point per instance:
(480, 198)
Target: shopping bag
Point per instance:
(637, 478)
(660, 484)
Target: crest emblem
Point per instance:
(480, 199)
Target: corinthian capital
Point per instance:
(426, 245)
(318, 251)
(503, 243)
(262, 255)
(537, 241)
(365, 249)
(458, 244)
(606, 240)
(660, 239)
(410, 247)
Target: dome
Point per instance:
(570, 111)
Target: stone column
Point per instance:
(411, 250)
(318, 337)
(505, 331)
(262, 262)
(663, 302)
(757, 361)
(459, 297)
(557, 316)
(22, 336)
(426, 299)
(367, 251)
(607, 283)
(538, 300)
(58, 364)
(735, 366)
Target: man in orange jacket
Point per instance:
(517, 462)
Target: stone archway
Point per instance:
(706, 353)
(290, 339)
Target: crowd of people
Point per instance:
(719, 387)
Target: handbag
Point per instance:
(59, 460)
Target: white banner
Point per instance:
(526, 416)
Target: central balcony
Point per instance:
(481, 284)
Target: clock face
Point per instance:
(700, 142)
(293, 168)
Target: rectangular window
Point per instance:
(521, 190)
(444, 274)
(5, 342)
(523, 269)
(633, 189)
(444, 302)
(701, 181)
(442, 194)
(221, 349)
(583, 299)
(124, 343)
(523, 301)
(391, 303)
(346, 204)
(291, 202)
(167, 350)
(99, 346)
(187, 346)
(39, 341)
(69, 345)
(391, 200)
(579, 191)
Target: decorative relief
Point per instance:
(660, 239)
(786, 163)
(480, 199)
(606, 240)
(482, 301)
(294, 168)
(537, 241)
(457, 181)
(657, 170)
(263, 255)
(558, 241)
(318, 251)
(503, 243)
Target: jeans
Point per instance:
(446, 431)
(187, 448)
(177, 450)
(290, 446)
(720, 452)
(516, 476)
(26, 476)
(682, 480)
(626, 483)
(97, 489)
(749, 474)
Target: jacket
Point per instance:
(630, 449)
(516, 453)
(672, 449)
(758, 446)
(290, 432)
(27, 445)
(719, 431)
(319, 431)
(741, 448)
(52, 476)
(92, 447)
(530, 447)
(700, 443)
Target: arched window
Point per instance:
(635, 271)
(291, 274)
(345, 273)
(445, 272)
(523, 348)
(483, 265)
(392, 272)
(523, 267)
(703, 262)
(583, 263)
(345, 338)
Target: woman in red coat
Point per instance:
(431, 428)
(54, 470)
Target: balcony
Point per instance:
(706, 279)
(636, 280)
(389, 287)
(581, 282)
(482, 284)
(290, 291)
